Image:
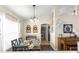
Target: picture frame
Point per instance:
(68, 28)
(35, 29)
(28, 29)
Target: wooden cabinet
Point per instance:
(67, 43)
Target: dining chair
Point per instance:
(18, 47)
(20, 40)
(14, 43)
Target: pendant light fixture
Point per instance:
(34, 19)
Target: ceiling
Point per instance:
(27, 11)
(66, 9)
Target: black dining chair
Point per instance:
(20, 40)
(14, 44)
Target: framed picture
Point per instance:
(28, 29)
(35, 29)
(67, 28)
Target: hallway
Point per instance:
(44, 42)
(45, 45)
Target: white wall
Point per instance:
(58, 22)
(42, 20)
(66, 20)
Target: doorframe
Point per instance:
(48, 38)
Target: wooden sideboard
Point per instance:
(67, 43)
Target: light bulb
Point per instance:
(31, 20)
(37, 20)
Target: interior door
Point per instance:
(45, 32)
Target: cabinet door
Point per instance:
(61, 44)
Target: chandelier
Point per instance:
(34, 19)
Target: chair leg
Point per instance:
(14, 49)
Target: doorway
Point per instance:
(45, 34)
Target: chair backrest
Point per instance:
(14, 42)
(20, 40)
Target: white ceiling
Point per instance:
(27, 11)
(66, 9)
